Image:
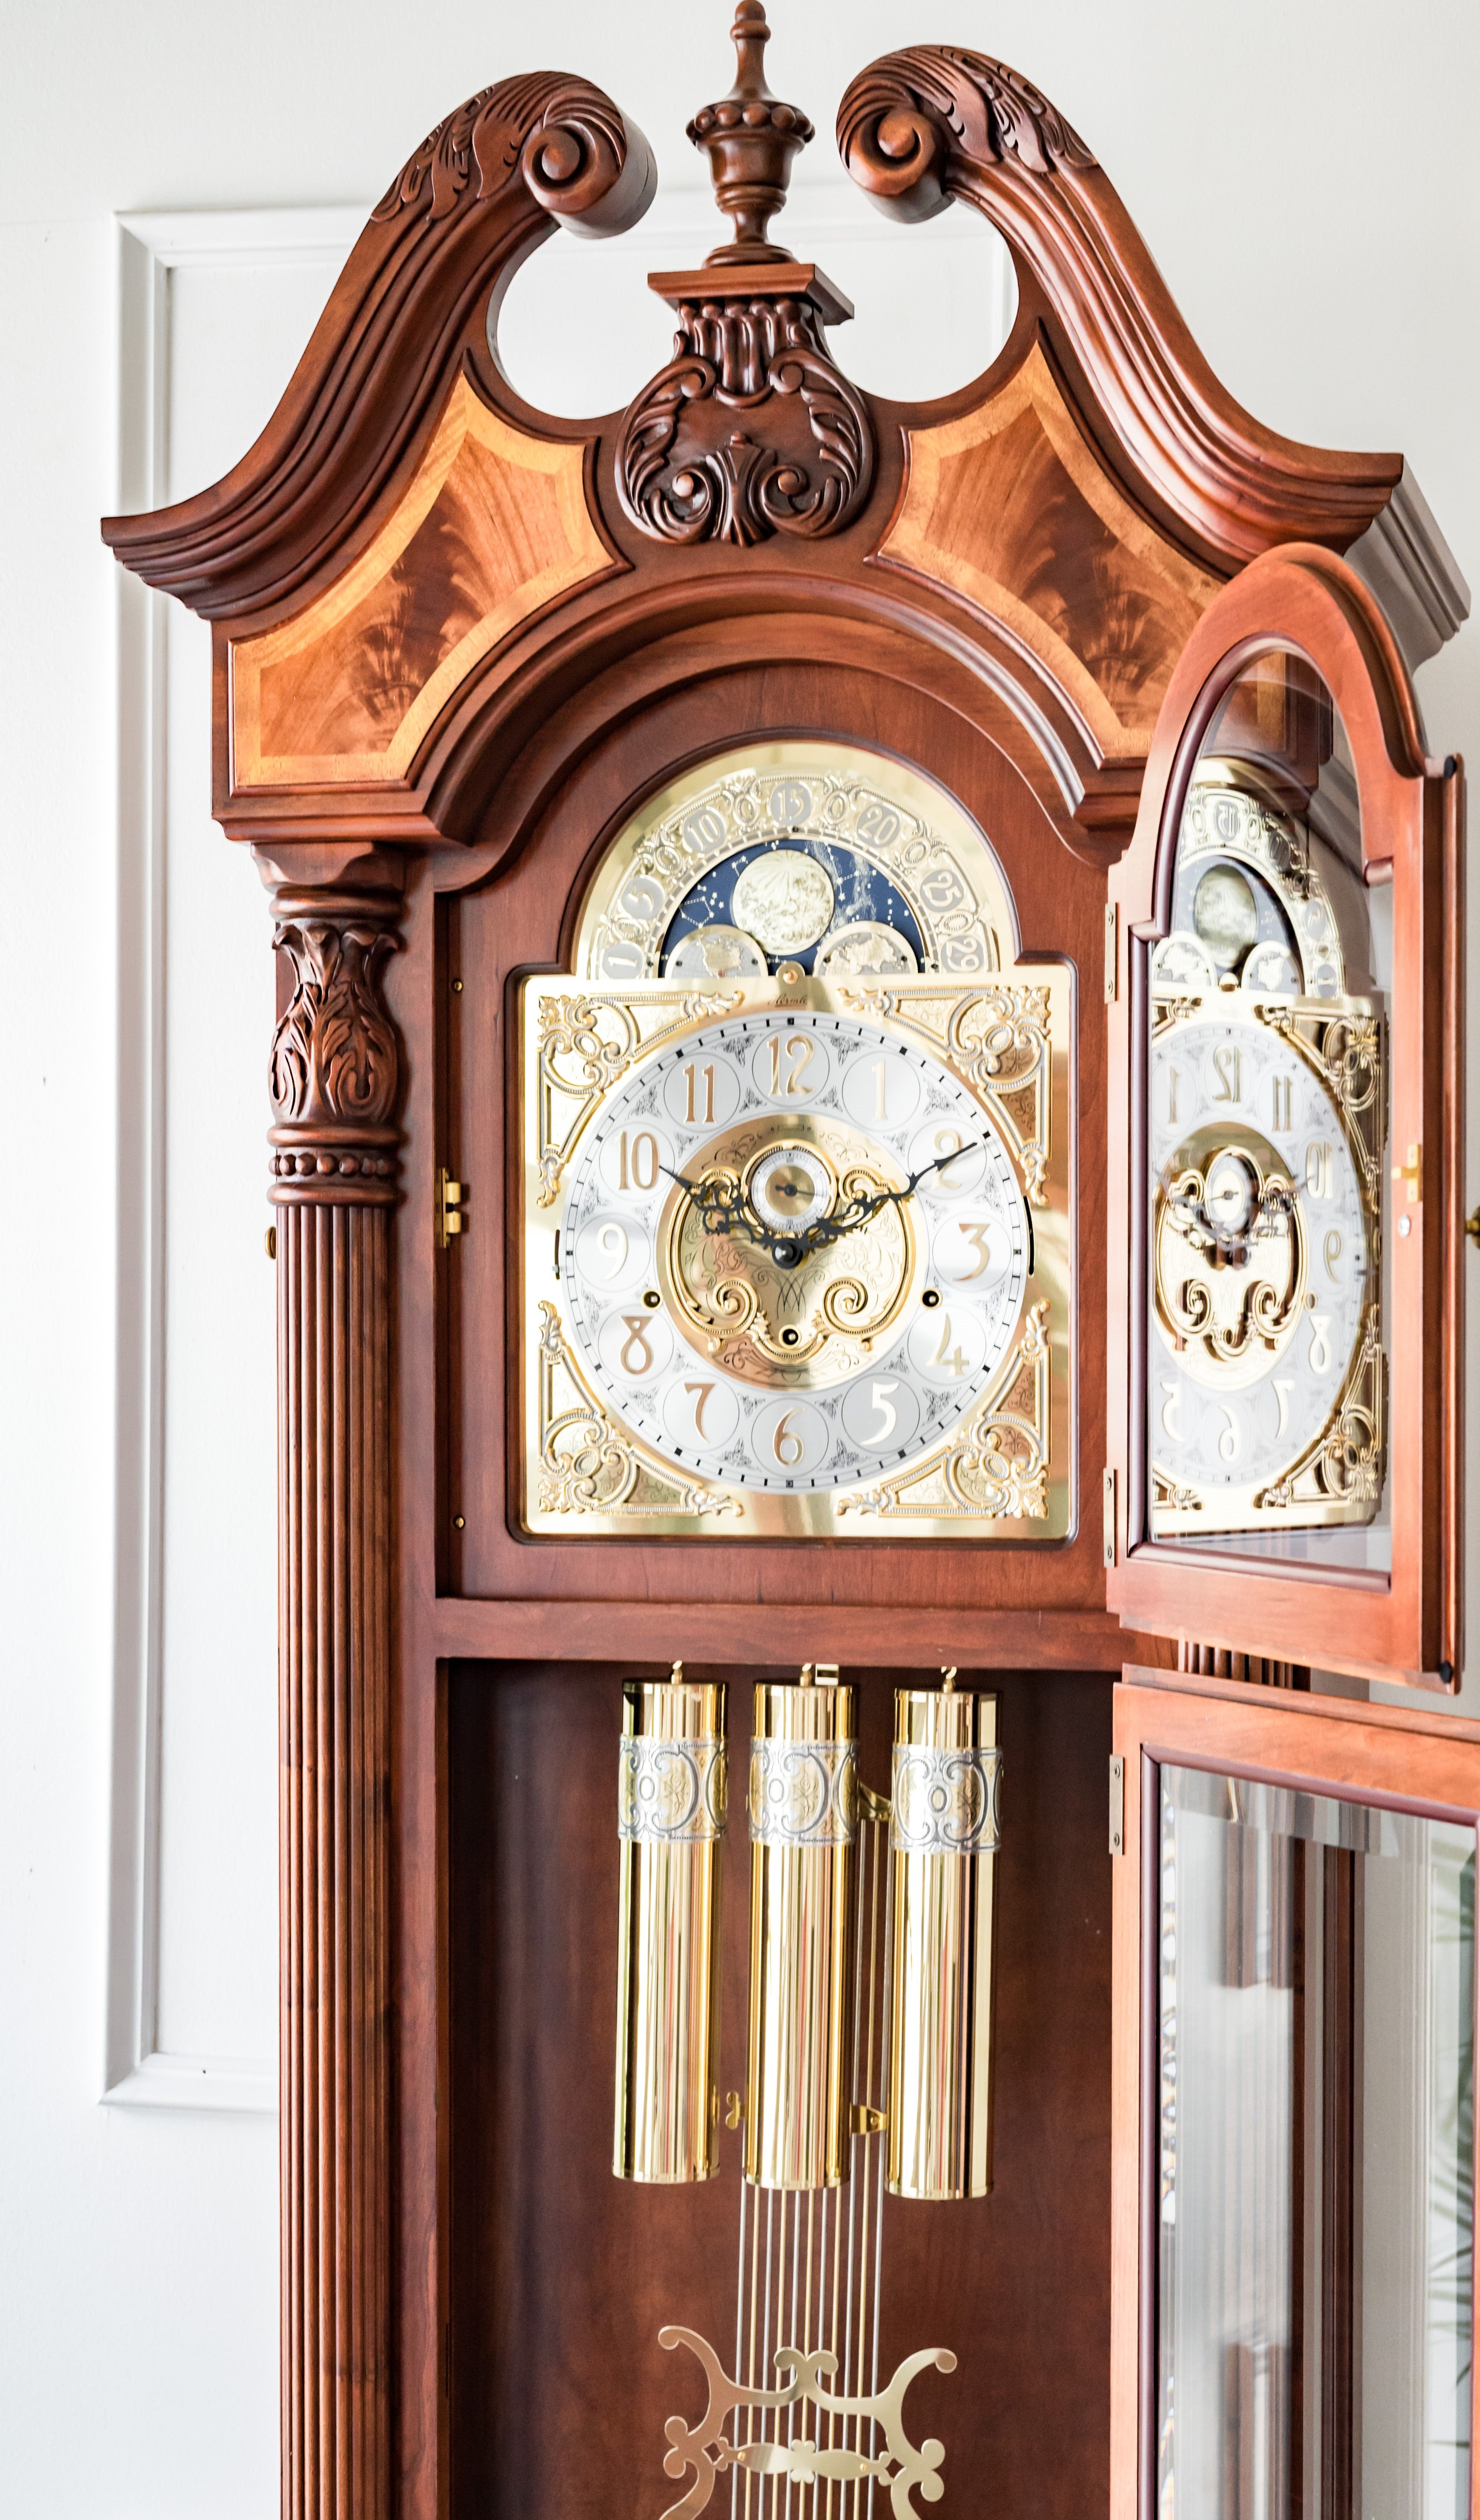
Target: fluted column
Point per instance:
(334, 1081)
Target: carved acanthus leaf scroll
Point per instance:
(916, 122)
(411, 304)
(564, 138)
(935, 123)
(334, 1071)
(750, 429)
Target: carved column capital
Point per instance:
(336, 1069)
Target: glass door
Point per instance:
(1297, 1945)
(1284, 1159)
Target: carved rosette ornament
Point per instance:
(750, 429)
(334, 1068)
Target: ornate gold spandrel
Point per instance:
(587, 1042)
(996, 1464)
(802, 2458)
(590, 1466)
(999, 1041)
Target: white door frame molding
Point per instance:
(150, 248)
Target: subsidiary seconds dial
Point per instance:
(753, 1285)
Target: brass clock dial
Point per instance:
(796, 1254)
(768, 1360)
(1267, 1377)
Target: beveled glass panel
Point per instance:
(1315, 2157)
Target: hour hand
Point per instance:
(718, 1214)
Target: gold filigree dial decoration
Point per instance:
(796, 1214)
(803, 1327)
(1267, 1380)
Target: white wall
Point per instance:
(1304, 175)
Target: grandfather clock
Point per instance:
(866, 1158)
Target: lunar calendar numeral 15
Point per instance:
(638, 1166)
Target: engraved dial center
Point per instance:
(776, 1316)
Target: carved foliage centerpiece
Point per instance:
(750, 429)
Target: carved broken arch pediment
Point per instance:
(409, 558)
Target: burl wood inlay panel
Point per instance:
(1008, 507)
(494, 526)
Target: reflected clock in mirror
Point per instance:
(796, 1222)
(1267, 1381)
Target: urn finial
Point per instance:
(751, 138)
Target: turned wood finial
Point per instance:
(751, 138)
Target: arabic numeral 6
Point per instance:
(786, 1445)
(1230, 1440)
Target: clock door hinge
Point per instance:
(1109, 1518)
(451, 1212)
(1111, 952)
(1118, 1806)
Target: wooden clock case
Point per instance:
(457, 644)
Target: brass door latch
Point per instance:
(1413, 1173)
(451, 1213)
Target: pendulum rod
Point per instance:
(802, 2277)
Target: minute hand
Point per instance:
(831, 1229)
